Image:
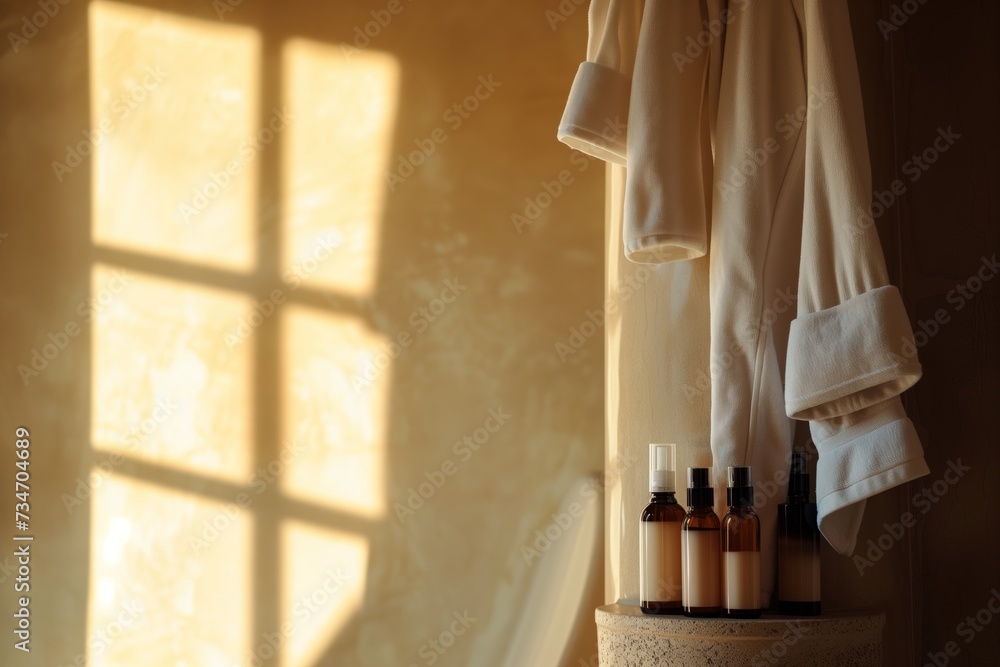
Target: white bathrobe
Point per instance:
(746, 140)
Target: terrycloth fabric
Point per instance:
(597, 110)
(746, 140)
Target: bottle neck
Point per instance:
(701, 497)
(739, 496)
(741, 509)
(798, 487)
(662, 498)
(701, 509)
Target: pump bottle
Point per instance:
(740, 548)
(700, 577)
(798, 546)
(660, 537)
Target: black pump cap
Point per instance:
(798, 480)
(700, 492)
(740, 491)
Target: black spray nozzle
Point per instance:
(700, 492)
(739, 476)
(740, 491)
(799, 463)
(699, 478)
(798, 480)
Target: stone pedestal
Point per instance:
(628, 638)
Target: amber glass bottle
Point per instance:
(700, 585)
(798, 546)
(740, 549)
(660, 537)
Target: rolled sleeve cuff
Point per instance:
(596, 114)
(662, 248)
(860, 456)
(849, 357)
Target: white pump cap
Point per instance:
(662, 463)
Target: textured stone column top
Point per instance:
(627, 637)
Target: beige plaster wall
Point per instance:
(254, 346)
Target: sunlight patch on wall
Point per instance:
(322, 587)
(157, 598)
(167, 387)
(334, 160)
(174, 109)
(335, 381)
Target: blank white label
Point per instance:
(660, 564)
(700, 564)
(741, 580)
